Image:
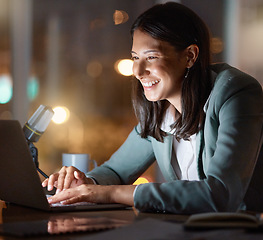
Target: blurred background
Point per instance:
(68, 54)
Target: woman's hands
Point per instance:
(73, 186)
(96, 194)
(67, 177)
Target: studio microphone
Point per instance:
(34, 128)
(37, 124)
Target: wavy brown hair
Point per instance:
(181, 27)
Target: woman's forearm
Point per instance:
(122, 194)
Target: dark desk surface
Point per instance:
(14, 214)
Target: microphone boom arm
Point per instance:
(34, 153)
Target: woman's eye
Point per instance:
(151, 57)
(134, 58)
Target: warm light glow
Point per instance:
(124, 67)
(217, 45)
(61, 115)
(120, 17)
(140, 180)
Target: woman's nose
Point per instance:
(139, 69)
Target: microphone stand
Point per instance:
(34, 153)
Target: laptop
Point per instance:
(19, 181)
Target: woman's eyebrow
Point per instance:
(147, 51)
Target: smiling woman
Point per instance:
(160, 68)
(194, 120)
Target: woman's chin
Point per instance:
(152, 98)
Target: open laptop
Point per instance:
(19, 181)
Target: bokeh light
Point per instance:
(217, 45)
(120, 16)
(6, 88)
(124, 67)
(32, 88)
(141, 180)
(61, 115)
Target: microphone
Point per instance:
(34, 128)
(37, 124)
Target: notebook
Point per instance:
(214, 220)
(19, 181)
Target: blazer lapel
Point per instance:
(199, 151)
(163, 153)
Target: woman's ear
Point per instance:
(192, 53)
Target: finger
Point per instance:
(45, 182)
(69, 178)
(71, 201)
(55, 198)
(75, 198)
(62, 196)
(61, 179)
(79, 175)
(51, 181)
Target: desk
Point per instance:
(157, 224)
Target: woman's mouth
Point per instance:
(150, 84)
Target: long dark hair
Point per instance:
(181, 27)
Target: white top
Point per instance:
(185, 155)
(184, 152)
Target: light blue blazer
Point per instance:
(228, 149)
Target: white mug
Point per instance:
(81, 161)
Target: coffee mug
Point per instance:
(81, 161)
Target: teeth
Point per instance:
(149, 84)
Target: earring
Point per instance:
(187, 73)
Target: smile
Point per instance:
(150, 84)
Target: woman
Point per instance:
(202, 123)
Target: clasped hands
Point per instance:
(73, 186)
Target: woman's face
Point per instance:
(158, 67)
